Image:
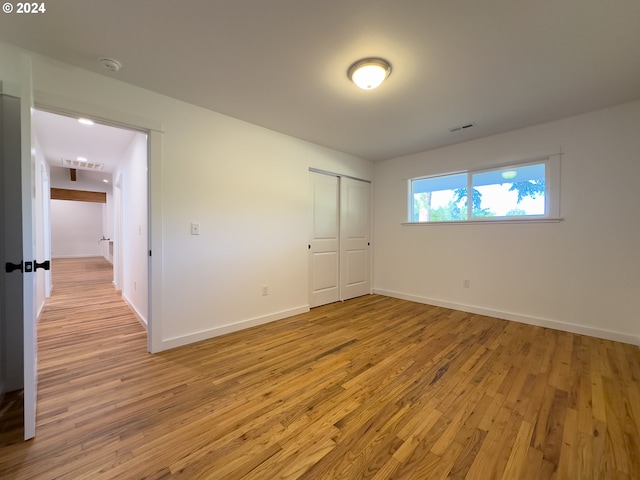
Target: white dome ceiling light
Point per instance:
(369, 73)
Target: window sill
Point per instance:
(486, 222)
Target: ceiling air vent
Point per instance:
(466, 126)
(81, 165)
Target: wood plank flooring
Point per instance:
(375, 388)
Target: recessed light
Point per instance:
(85, 121)
(105, 180)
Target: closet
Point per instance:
(339, 238)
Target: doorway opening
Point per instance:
(93, 201)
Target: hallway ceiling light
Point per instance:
(369, 73)
(85, 121)
(81, 159)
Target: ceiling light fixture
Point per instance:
(369, 73)
(81, 159)
(509, 174)
(85, 121)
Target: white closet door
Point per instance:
(324, 239)
(355, 238)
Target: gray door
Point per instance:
(17, 284)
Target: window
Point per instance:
(522, 191)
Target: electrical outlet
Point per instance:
(265, 290)
(466, 283)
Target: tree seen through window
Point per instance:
(518, 191)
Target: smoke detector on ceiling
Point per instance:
(111, 64)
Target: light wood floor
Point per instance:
(372, 388)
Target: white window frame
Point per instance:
(552, 193)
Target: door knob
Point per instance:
(46, 265)
(12, 267)
(25, 267)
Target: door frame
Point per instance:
(154, 131)
(45, 198)
(117, 230)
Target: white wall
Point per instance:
(76, 228)
(579, 275)
(248, 189)
(245, 185)
(78, 244)
(135, 247)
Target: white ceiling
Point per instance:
(63, 137)
(503, 64)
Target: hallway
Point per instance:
(83, 292)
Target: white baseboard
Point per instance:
(231, 327)
(540, 322)
(141, 318)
